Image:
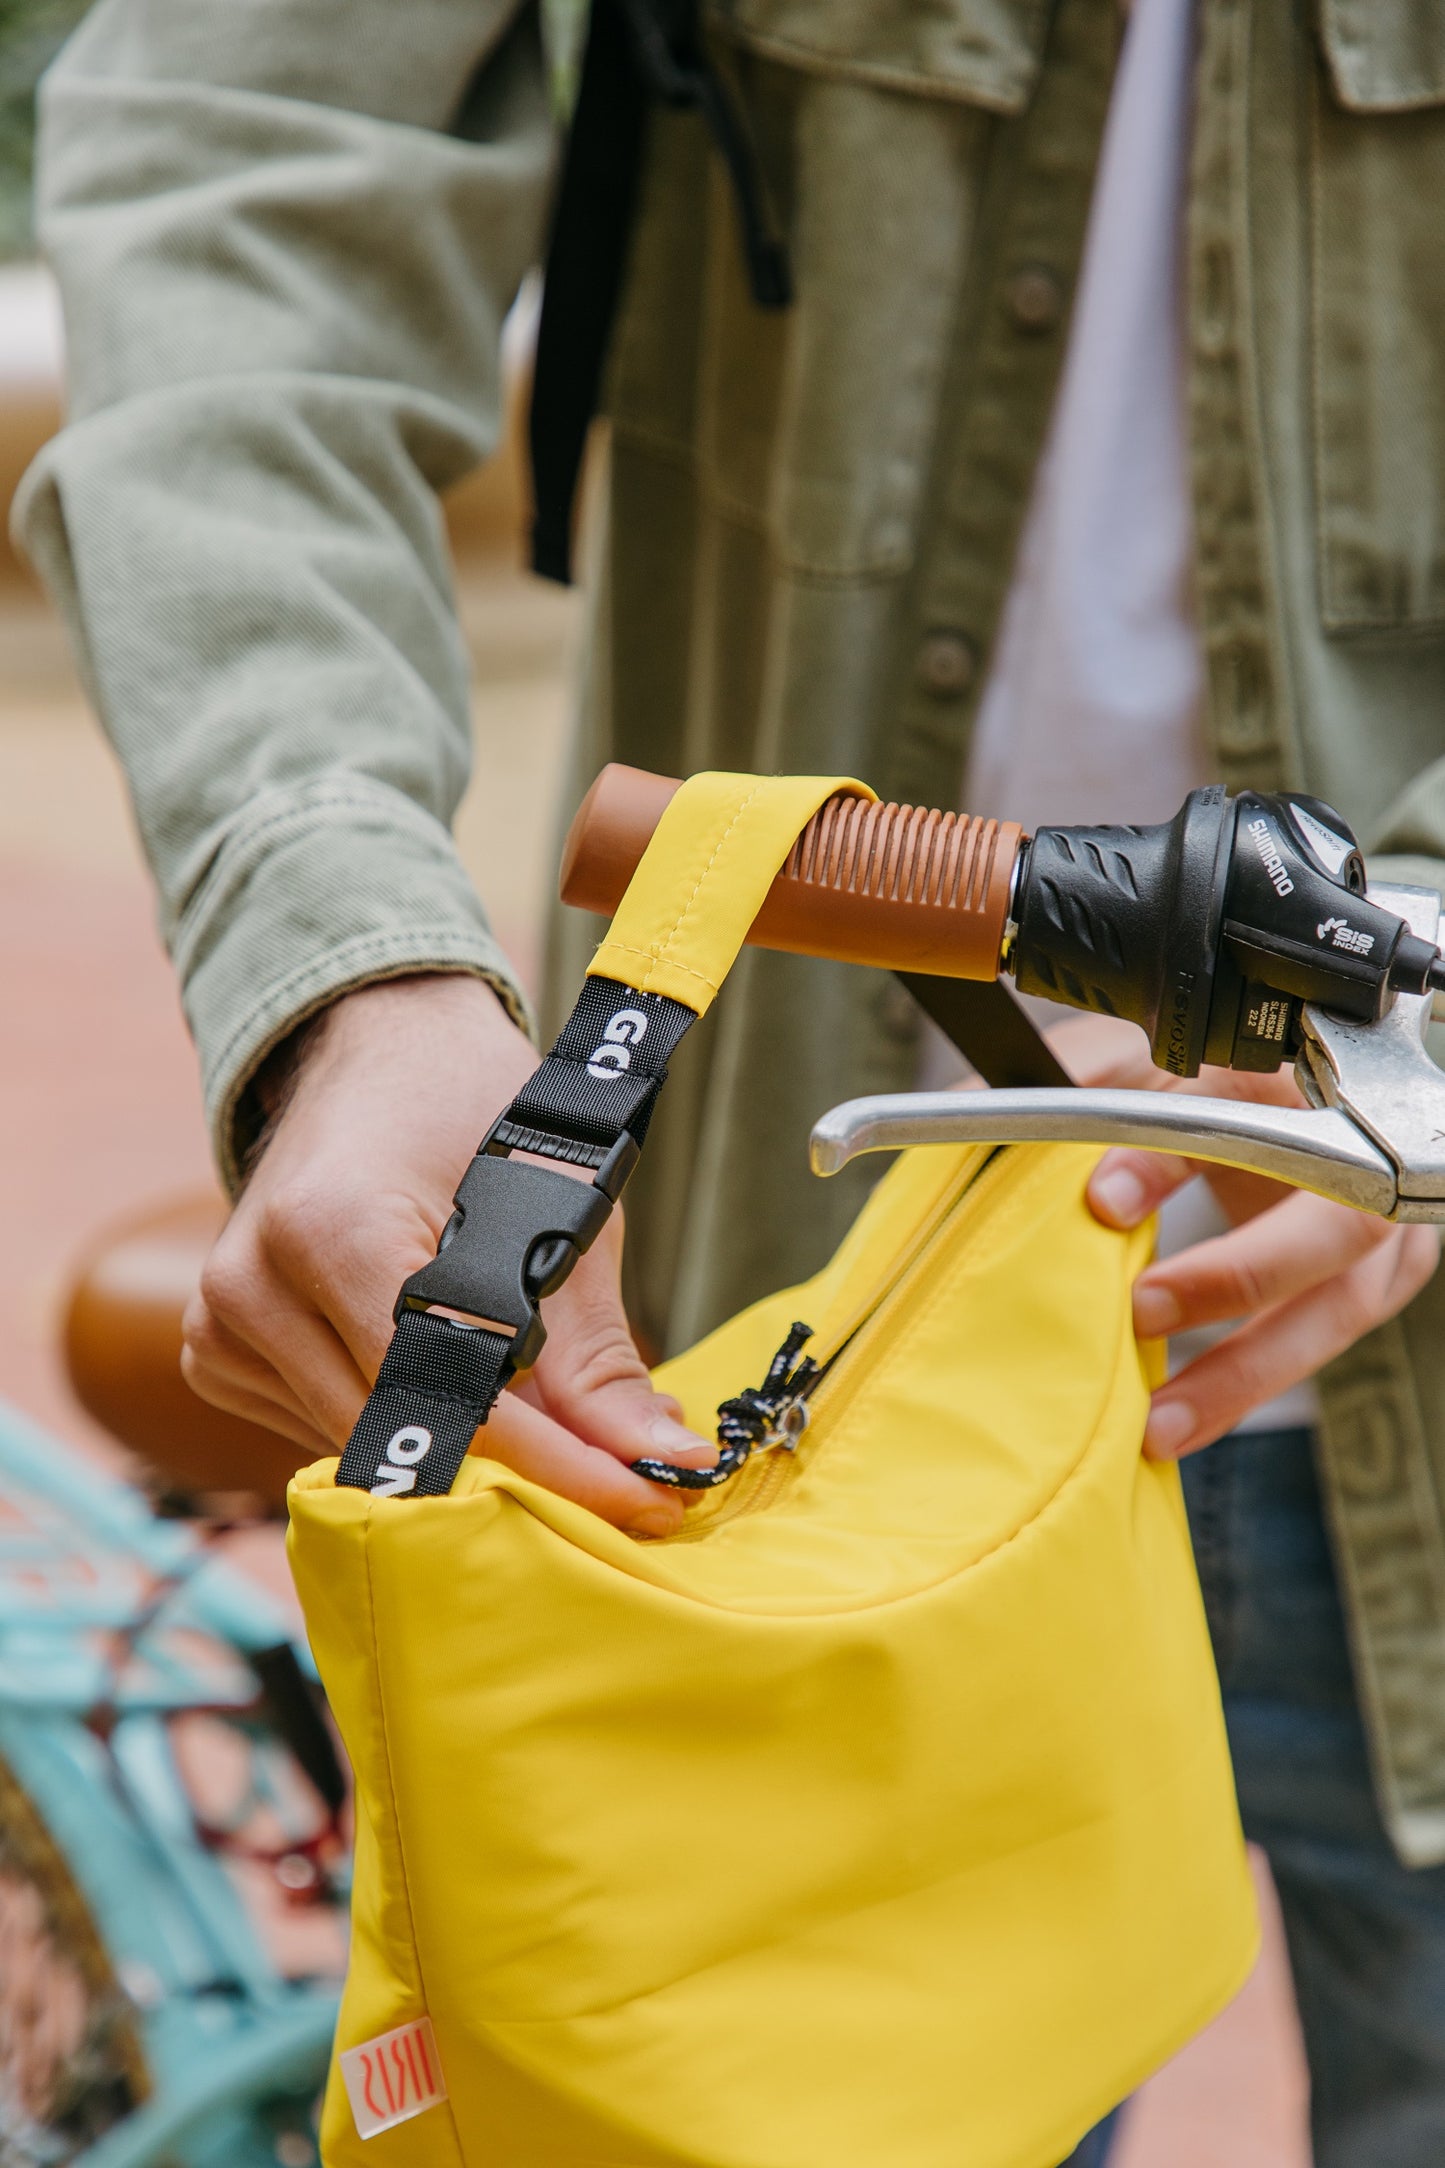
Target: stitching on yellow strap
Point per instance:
(643, 946)
(651, 956)
(660, 955)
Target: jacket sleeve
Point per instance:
(286, 234)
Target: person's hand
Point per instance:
(394, 1091)
(1304, 1277)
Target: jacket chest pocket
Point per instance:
(1378, 239)
(984, 52)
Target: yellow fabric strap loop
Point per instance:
(702, 879)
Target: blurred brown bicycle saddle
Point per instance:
(122, 1342)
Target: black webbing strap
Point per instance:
(990, 1029)
(437, 1385)
(585, 257)
(604, 1073)
(515, 1234)
(637, 50)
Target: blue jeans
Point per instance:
(1366, 1936)
(1093, 2152)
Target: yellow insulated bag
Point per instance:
(883, 1817)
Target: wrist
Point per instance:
(457, 1018)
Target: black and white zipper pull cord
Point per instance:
(774, 1413)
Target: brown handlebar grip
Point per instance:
(894, 885)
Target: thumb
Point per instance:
(591, 1379)
(1126, 1186)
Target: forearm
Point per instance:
(283, 316)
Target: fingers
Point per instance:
(307, 1368)
(592, 1380)
(1310, 1276)
(623, 1416)
(300, 1361)
(256, 1408)
(227, 1374)
(255, 1345)
(220, 1365)
(1287, 1343)
(338, 1254)
(528, 1440)
(1127, 1186)
(1303, 1242)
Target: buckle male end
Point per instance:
(517, 1232)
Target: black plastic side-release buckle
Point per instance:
(469, 1321)
(514, 1237)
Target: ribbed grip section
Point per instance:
(905, 854)
(899, 886)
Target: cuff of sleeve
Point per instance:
(314, 892)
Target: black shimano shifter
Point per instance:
(1213, 929)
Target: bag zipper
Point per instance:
(758, 1484)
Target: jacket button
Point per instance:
(947, 664)
(1035, 298)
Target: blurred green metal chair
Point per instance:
(161, 1736)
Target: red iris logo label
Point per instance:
(394, 2077)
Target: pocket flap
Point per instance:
(1385, 56)
(982, 52)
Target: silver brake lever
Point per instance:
(1372, 1136)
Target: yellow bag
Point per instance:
(883, 1818)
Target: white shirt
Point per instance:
(1092, 709)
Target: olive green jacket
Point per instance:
(286, 235)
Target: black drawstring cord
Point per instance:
(678, 70)
(769, 271)
(773, 1413)
(636, 50)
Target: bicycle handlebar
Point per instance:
(1212, 931)
(892, 885)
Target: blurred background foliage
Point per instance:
(31, 34)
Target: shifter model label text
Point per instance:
(1263, 838)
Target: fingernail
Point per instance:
(1156, 1312)
(1120, 1194)
(657, 1521)
(1169, 1429)
(671, 1440)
